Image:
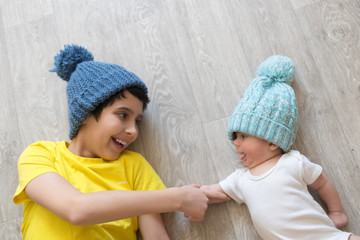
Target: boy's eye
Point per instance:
(122, 115)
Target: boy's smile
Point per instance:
(116, 128)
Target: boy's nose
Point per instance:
(131, 128)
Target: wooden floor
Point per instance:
(197, 58)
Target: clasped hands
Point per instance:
(197, 197)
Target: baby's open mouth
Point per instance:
(242, 156)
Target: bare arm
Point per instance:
(53, 192)
(330, 196)
(152, 227)
(215, 193)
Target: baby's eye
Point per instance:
(138, 121)
(233, 136)
(240, 135)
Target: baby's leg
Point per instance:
(354, 237)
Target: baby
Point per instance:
(274, 182)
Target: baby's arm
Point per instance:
(330, 196)
(214, 193)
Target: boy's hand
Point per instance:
(194, 203)
(339, 219)
(215, 193)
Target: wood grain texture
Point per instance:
(197, 58)
(10, 230)
(296, 4)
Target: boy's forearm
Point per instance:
(97, 207)
(114, 205)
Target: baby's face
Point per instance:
(252, 150)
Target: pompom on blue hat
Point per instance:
(268, 109)
(90, 83)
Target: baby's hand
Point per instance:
(214, 193)
(339, 219)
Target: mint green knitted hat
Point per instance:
(268, 109)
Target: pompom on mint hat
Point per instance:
(268, 109)
(90, 83)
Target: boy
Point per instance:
(92, 187)
(274, 182)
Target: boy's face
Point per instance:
(252, 150)
(116, 128)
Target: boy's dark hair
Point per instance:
(137, 92)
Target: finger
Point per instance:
(219, 198)
(224, 197)
(190, 217)
(219, 195)
(194, 219)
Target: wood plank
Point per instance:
(10, 142)
(10, 230)
(297, 4)
(197, 58)
(334, 44)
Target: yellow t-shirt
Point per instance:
(130, 172)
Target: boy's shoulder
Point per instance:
(49, 145)
(129, 155)
(43, 148)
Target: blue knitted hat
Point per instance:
(90, 83)
(268, 109)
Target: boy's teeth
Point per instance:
(120, 142)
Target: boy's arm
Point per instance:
(53, 192)
(328, 193)
(152, 227)
(214, 193)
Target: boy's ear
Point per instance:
(273, 147)
(85, 121)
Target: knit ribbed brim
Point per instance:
(263, 128)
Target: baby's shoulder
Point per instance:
(240, 171)
(296, 156)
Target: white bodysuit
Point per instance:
(279, 202)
